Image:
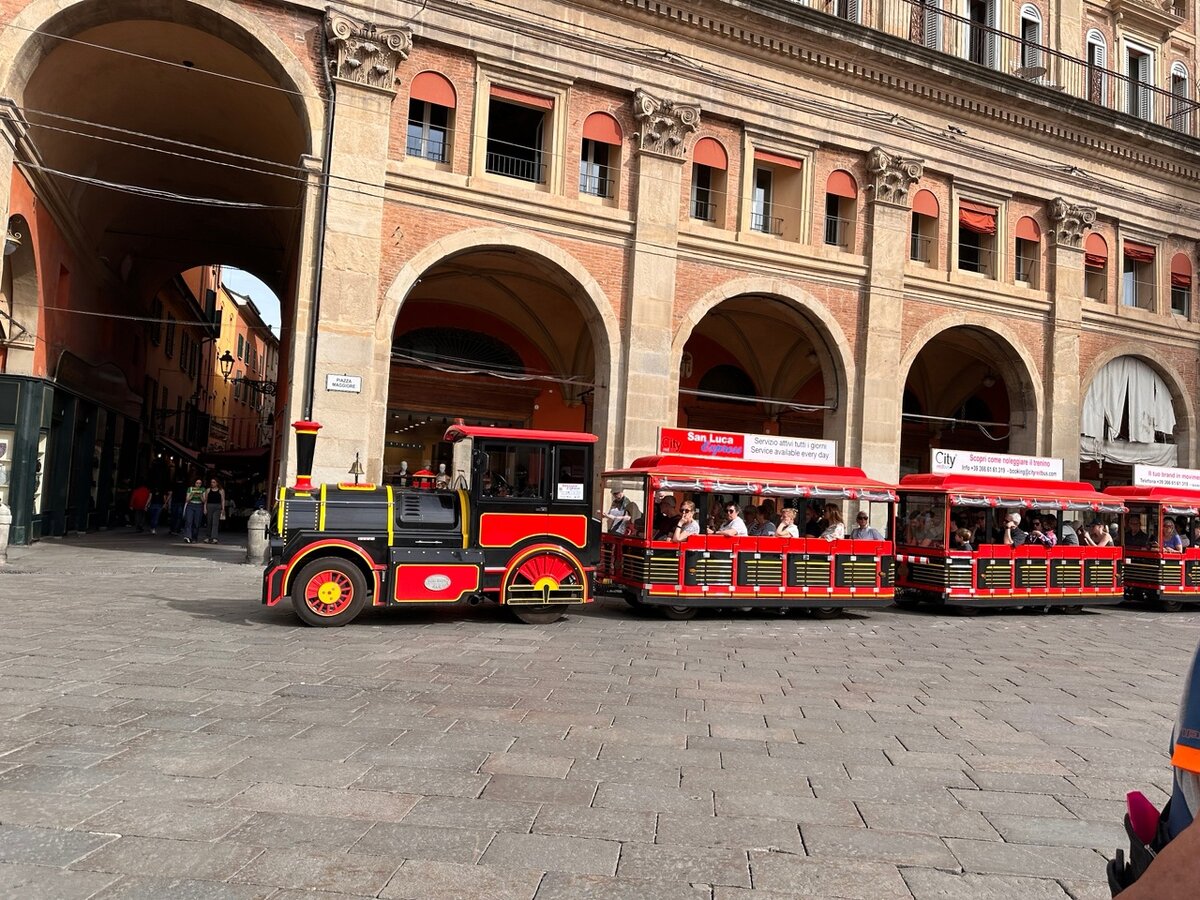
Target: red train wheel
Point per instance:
(329, 592)
(532, 587)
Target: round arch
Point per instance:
(834, 353)
(1013, 362)
(1185, 411)
(33, 32)
(592, 303)
(19, 298)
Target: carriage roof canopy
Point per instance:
(457, 432)
(981, 490)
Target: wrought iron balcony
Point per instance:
(766, 224)
(925, 22)
(521, 168)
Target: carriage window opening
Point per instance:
(1140, 526)
(922, 520)
(573, 474)
(514, 470)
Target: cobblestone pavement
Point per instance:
(164, 736)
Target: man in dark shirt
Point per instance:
(665, 519)
(1134, 536)
(814, 525)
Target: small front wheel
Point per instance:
(826, 612)
(329, 592)
(1170, 605)
(540, 615)
(680, 613)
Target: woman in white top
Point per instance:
(787, 523)
(836, 530)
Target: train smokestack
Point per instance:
(306, 446)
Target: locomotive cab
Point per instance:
(512, 525)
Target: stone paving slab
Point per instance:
(179, 740)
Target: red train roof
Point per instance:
(458, 432)
(1133, 493)
(784, 479)
(1023, 491)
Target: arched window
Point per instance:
(925, 213)
(1182, 107)
(841, 202)
(1181, 285)
(709, 164)
(1027, 245)
(599, 156)
(431, 104)
(728, 383)
(1095, 268)
(1097, 67)
(1031, 43)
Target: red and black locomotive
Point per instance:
(514, 527)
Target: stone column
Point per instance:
(874, 431)
(1065, 267)
(649, 323)
(363, 62)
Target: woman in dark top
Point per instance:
(214, 507)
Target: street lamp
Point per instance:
(226, 361)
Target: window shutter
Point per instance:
(852, 10)
(930, 37)
(990, 36)
(1145, 108)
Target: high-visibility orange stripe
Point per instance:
(1186, 757)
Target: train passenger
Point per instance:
(1171, 541)
(687, 524)
(787, 523)
(1097, 535)
(750, 517)
(768, 511)
(1070, 537)
(665, 519)
(814, 525)
(1134, 535)
(960, 539)
(863, 530)
(836, 529)
(733, 526)
(1014, 535)
(766, 528)
(622, 513)
(1045, 531)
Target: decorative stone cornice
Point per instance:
(364, 53)
(893, 175)
(664, 124)
(1070, 221)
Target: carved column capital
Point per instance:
(893, 175)
(364, 53)
(1069, 221)
(664, 124)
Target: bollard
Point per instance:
(256, 538)
(5, 526)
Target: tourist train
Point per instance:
(520, 520)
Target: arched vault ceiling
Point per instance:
(170, 103)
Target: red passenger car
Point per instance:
(649, 563)
(974, 541)
(1158, 536)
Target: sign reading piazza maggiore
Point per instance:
(1003, 465)
(771, 448)
(1161, 476)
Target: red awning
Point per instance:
(842, 184)
(976, 217)
(926, 204)
(602, 128)
(1095, 252)
(1027, 230)
(434, 88)
(775, 159)
(1181, 271)
(709, 152)
(1143, 253)
(512, 96)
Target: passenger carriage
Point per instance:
(932, 565)
(1154, 572)
(515, 527)
(711, 570)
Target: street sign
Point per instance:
(346, 384)
(769, 448)
(1003, 465)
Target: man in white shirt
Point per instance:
(734, 526)
(863, 530)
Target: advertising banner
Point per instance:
(1001, 465)
(1163, 476)
(769, 448)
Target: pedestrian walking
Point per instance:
(214, 506)
(139, 502)
(156, 508)
(178, 500)
(193, 511)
